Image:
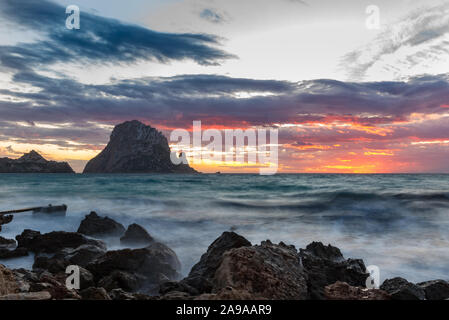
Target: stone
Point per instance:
(401, 289)
(120, 280)
(33, 162)
(343, 291)
(93, 293)
(7, 243)
(9, 254)
(326, 265)
(84, 254)
(8, 281)
(54, 241)
(120, 294)
(136, 148)
(435, 289)
(94, 225)
(267, 271)
(42, 295)
(202, 273)
(136, 234)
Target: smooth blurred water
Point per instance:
(397, 222)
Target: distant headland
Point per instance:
(33, 162)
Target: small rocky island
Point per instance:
(33, 162)
(231, 269)
(136, 148)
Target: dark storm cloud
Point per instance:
(100, 40)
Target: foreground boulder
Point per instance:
(343, 291)
(267, 271)
(54, 241)
(201, 275)
(8, 281)
(5, 219)
(94, 225)
(148, 266)
(326, 265)
(7, 243)
(135, 235)
(401, 289)
(15, 253)
(436, 289)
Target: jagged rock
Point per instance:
(343, 291)
(33, 162)
(94, 225)
(54, 264)
(436, 289)
(55, 285)
(326, 265)
(176, 295)
(8, 283)
(9, 254)
(94, 294)
(228, 293)
(181, 286)
(5, 219)
(120, 294)
(54, 241)
(136, 234)
(120, 280)
(151, 265)
(7, 243)
(42, 295)
(401, 289)
(265, 271)
(83, 255)
(202, 273)
(135, 148)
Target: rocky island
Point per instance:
(136, 148)
(33, 162)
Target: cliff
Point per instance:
(136, 148)
(33, 162)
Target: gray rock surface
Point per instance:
(135, 148)
(33, 162)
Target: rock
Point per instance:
(326, 265)
(8, 281)
(56, 286)
(435, 289)
(150, 265)
(266, 271)
(202, 273)
(5, 219)
(401, 289)
(42, 295)
(136, 234)
(54, 264)
(169, 286)
(120, 294)
(54, 241)
(33, 162)
(228, 293)
(94, 294)
(9, 254)
(94, 225)
(84, 254)
(343, 291)
(7, 243)
(120, 280)
(86, 278)
(136, 148)
(176, 295)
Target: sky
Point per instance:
(347, 96)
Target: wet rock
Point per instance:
(136, 234)
(202, 273)
(7, 243)
(229, 293)
(56, 286)
(94, 294)
(150, 265)
(120, 280)
(84, 254)
(86, 278)
(176, 295)
(401, 289)
(54, 242)
(54, 264)
(181, 286)
(265, 271)
(94, 225)
(343, 291)
(435, 289)
(42, 295)
(120, 294)
(5, 219)
(326, 265)
(9, 254)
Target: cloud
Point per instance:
(410, 43)
(100, 40)
(213, 16)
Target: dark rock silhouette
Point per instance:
(94, 225)
(136, 148)
(33, 162)
(136, 234)
(401, 289)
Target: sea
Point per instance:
(397, 222)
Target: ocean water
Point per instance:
(398, 222)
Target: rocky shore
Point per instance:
(231, 268)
